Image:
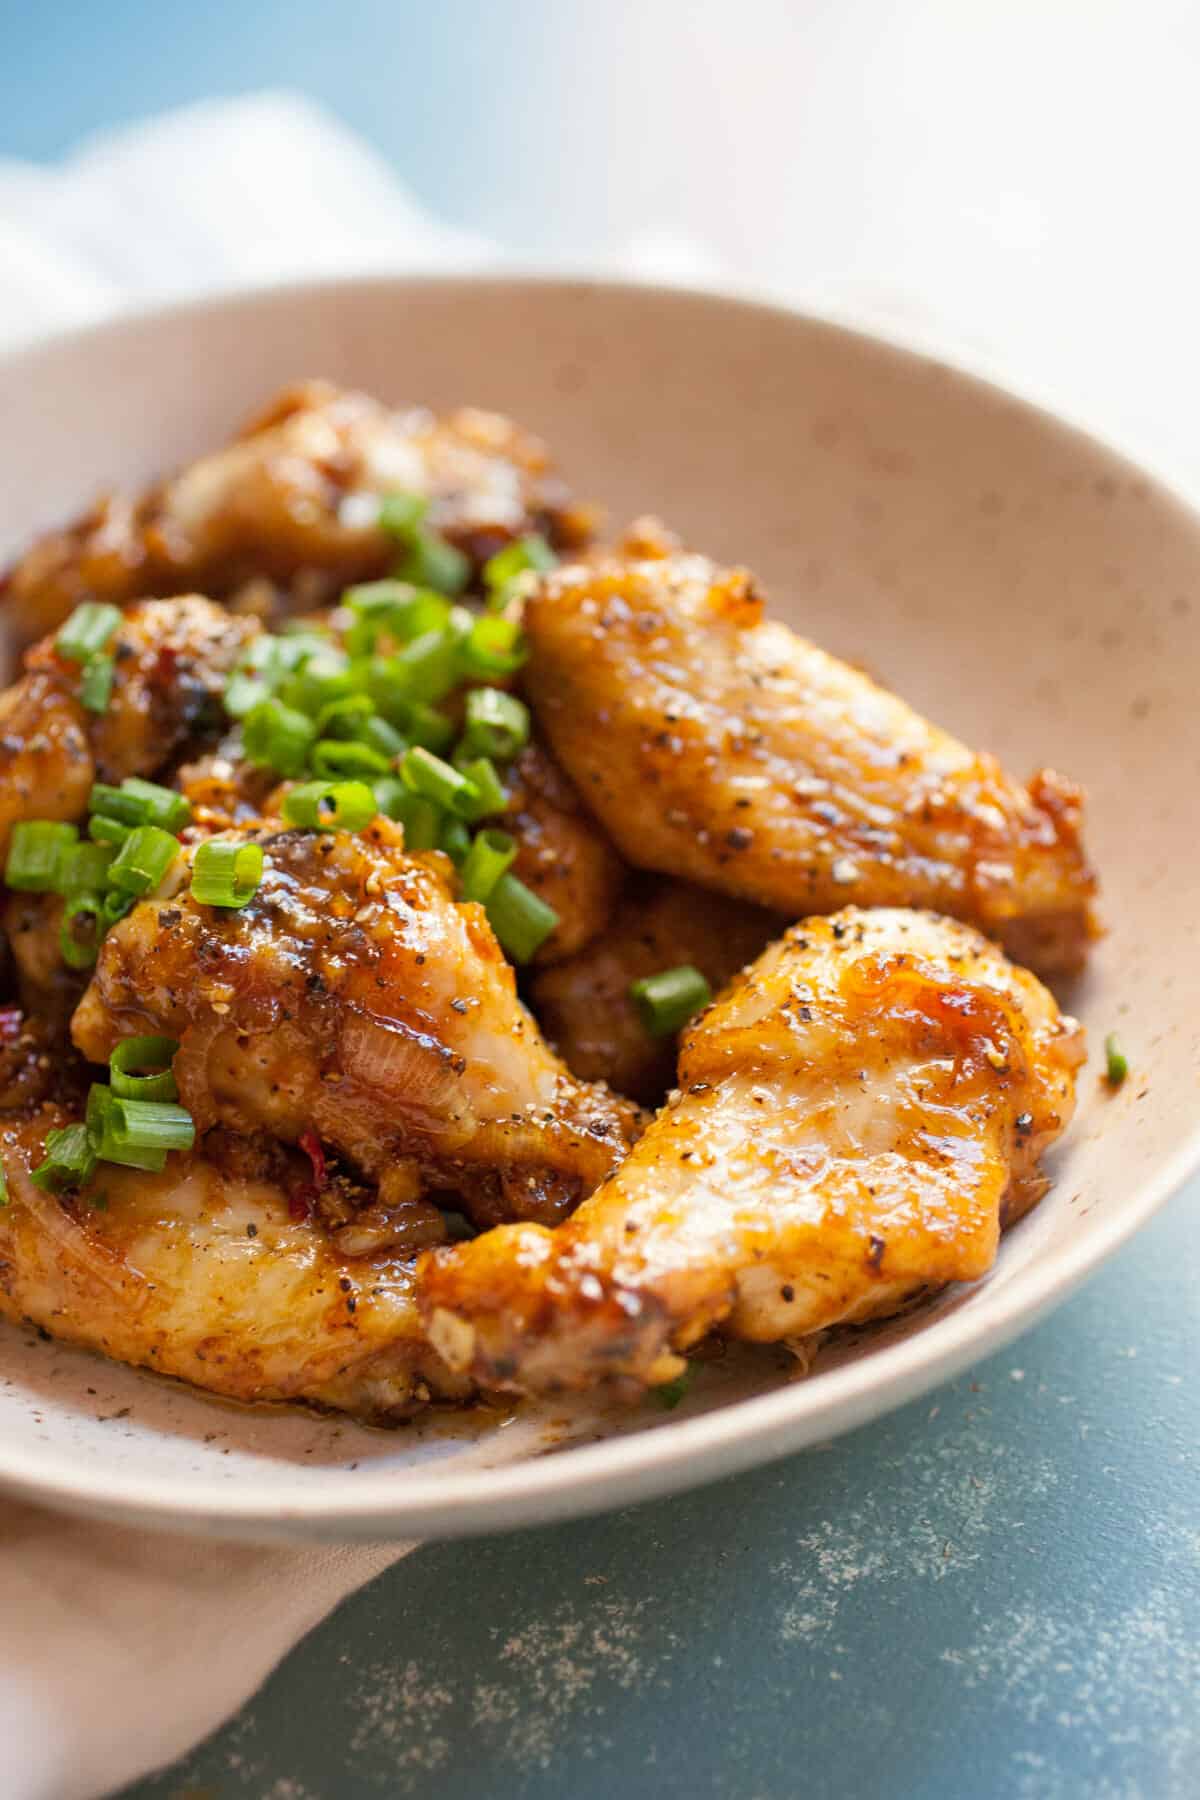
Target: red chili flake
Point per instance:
(310, 1143)
(301, 1203)
(10, 1024)
(165, 666)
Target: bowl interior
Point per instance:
(1020, 583)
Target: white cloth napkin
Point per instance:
(119, 1649)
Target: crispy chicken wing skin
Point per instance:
(204, 1273)
(583, 1003)
(291, 500)
(171, 658)
(354, 998)
(857, 1115)
(716, 745)
(562, 854)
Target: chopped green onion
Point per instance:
(144, 1053)
(243, 692)
(85, 869)
(344, 718)
(382, 737)
(142, 860)
(107, 831)
(496, 646)
(497, 724)
(439, 781)
(430, 562)
(95, 690)
(275, 736)
(326, 678)
(454, 838)
(420, 818)
(330, 805)
(428, 728)
(493, 798)
(116, 906)
(3, 1186)
(668, 1394)
(150, 1124)
(427, 669)
(392, 609)
(87, 630)
(70, 1159)
(333, 756)
(226, 874)
(37, 853)
(501, 571)
(491, 853)
(666, 1001)
(79, 947)
(520, 918)
(99, 1106)
(138, 802)
(1116, 1062)
(401, 514)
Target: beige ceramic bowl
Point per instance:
(1012, 578)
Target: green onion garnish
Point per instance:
(400, 515)
(279, 737)
(109, 832)
(226, 874)
(392, 609)
(497, 724)
(84, 869)
(665, 1002)
(427, 669)
(138, 802)
(454, 837)
(495, 647)
(325, 678)
(520, 918)
(116, 906)
(429, 728)
(130, 1061)
(333, 756)
(330, 805)
(491, 853)
(81, 930)
(1116, 1064)
(382, 737)
(345, 717)
(3, 1186)
(439, 781)
(420, 818)
(669, 1393)
(70, 1159)
(95, 690)
(431, 562)
(243, 692)
(137, 1133)
(37, 854)
(505, 568)
(493, 798)
(87, 630)
(142, 860)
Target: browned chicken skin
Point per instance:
(207, 1273)
(856, 1117)
(717, 746)
(562, 854)
(583, 1003)
(354, 999)
(171, 658)
(291, 502)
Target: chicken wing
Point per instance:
(170, 659)
(715, 745)
(857, 1116)
(206, 1272)
(354, 999)
(294, 500)
(583, 1003)
(562, 854)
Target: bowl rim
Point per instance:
(385, 1502)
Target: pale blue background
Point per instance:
(997, 1592)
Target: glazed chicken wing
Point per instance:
(584, 1004)
(857, 1116)
(206, 1272)
(293, 502)
(171, 658)
(354, 999)
(562, 854)
(716, 745)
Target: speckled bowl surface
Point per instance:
(1014, 579)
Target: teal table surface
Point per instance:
(993, 1593)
